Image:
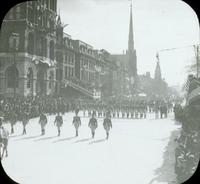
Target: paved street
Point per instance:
(138, 151)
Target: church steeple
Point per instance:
(130, 38)
(132, 60)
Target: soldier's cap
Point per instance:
(93, 113)
(107, 113)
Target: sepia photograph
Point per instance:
(100, 92)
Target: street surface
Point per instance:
(138, 152)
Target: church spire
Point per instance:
(130, 38)
(132, 58)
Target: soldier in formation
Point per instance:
(58, 122)
(43, 122)
(76, 122)
(107, 124)
(93, 124)
(25, 119)
(4, 136)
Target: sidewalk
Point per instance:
(166, 173)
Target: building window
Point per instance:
(12, 76)
(30, 78)
(30, 15)
(30, 43)
(66, 72)
(14, 42)
(52, 50)
(65, 57)
(18, 12)
(45, 47)
(51, 78)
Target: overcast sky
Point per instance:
(157, 25)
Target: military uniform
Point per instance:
(77, 123)
(43, 122)
(107, 124)
(58, 122)
(93, 125)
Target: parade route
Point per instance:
(134, 153)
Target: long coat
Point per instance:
(76, 122)
(107, 124)
(43, 120)
(93, 124)
(59, 121)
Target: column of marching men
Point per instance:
(76, 122)
(22, 109)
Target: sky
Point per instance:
(157, 25)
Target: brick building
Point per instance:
(36, 56)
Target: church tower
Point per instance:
(132, 59)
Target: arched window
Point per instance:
(12, 76)
(43, 49)
(51, 79)
(29, 78)
(30, 43)
(51, 50)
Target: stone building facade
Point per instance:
(38, 57)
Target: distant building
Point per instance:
(128, 63)
(128, 78)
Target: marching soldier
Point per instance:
(107, 124)
(13, 120)
(25, 119)
(43, 122)
(93, 124)
(58, 122)
(4, 136)
(76, 122)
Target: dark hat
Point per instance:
(76, 111)
(94, 113)
(108, 113)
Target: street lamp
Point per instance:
(15, 44)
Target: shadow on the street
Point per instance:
(45, 138)
(97, 141)
(30, 137)
(166, 172)
(13, 136)
(64, 139)
(83, 140)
